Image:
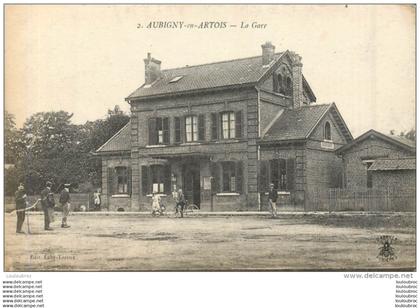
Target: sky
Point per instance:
(85, 59)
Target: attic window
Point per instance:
(175, 79)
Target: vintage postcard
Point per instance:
(210, 138)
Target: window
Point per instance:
(158, 131)
(282, 83)
(228, 125)
(155, 178)
(289, 89)
(157, 174)
(191, 128)
(281, 172)
(227, 176)
(122, 180)
(278, 173)
(327, 131)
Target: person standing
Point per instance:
(65, 205)
(46, 200)
(155, 204)
(180, 203)
(20, 199)
(272, 199)
(97, 199)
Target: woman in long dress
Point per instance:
(155, 203)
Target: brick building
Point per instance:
(376, 160)
(233, 126)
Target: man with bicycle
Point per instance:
(180, 203)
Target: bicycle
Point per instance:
(188, 209)
(160, 212)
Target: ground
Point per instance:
(140, 242)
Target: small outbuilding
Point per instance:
(376, 160)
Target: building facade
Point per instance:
(222, 132)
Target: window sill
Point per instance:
(227, 194)
(121, 196)
(190, 143)
(160, 195)
(156, 145)
(280, 193)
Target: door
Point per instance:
(191, 176)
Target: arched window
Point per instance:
(327, 131)
(289, 86)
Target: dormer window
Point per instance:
(176, 79)
(327, 131)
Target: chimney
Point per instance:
(267, 53)
(297, 80)
(151, 69)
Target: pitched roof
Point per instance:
(401, 142)
(387, 164)
(120, 142)
(296, 124)
(204, 76)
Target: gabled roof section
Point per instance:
(120, 142)
(308, 89)
(390, 164)
(298, 124)
(205, 76)
(401, 142)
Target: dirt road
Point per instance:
(107, 243)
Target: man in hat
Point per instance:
(20, 199)
(65, 205)
(272, 199)
(47, 202)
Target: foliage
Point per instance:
(50, 147)
(410, 135)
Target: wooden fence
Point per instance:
(371, 200)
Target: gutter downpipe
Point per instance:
(258, 145)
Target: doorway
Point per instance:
(191, 183)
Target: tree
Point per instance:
(14, 147)
(410, 135)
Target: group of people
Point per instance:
(47, 203)
(159, 208)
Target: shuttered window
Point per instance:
(145, 180)
(177, 121)
(158, 131)
(111, 177)
(239, 177)
(282, 173)
(228, 125)
(119, 180)
(238, 124)
(231, 176)
(191, 128)
(263, 175)
(228, 177)
(201, 127)
(214, 126)
(215, 173)
(122, 180)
